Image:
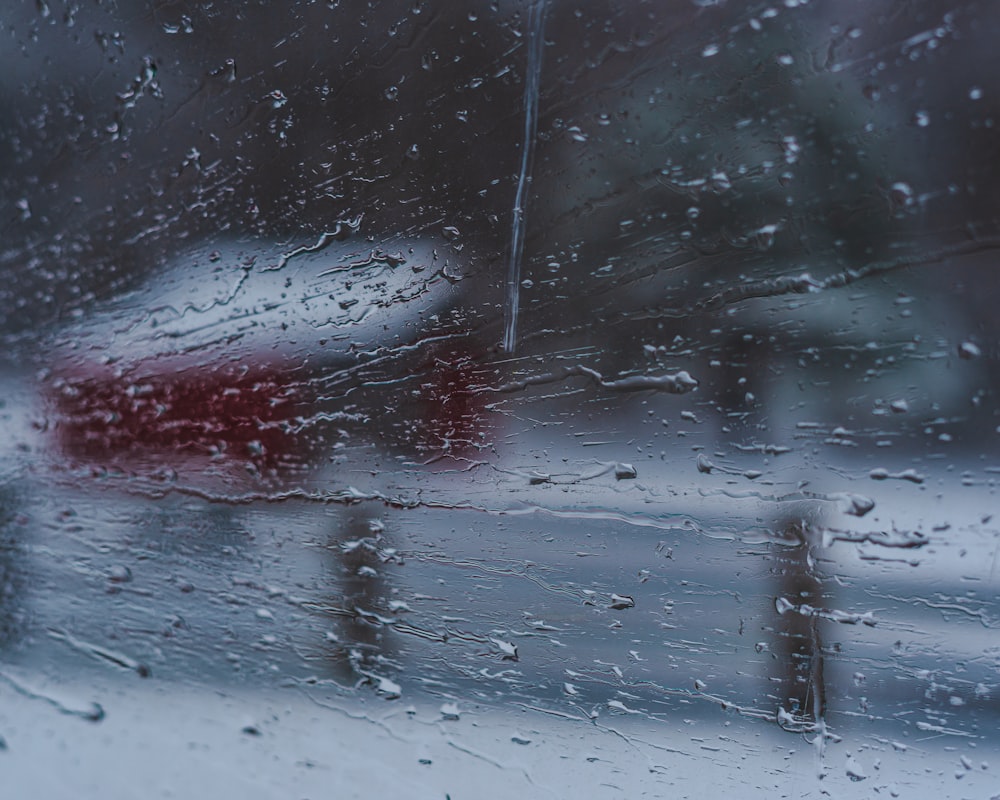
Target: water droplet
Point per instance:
(921, 119)
(625, 472)
(858, 505)
(721, 182)
(968, 350)
(227, 72)
(119, 574)
(764, 237)
(392, 93)
(508, 650)
(854, 770)
(710, 50)
(792, 149)
(975, 93)
(620, 602)
(384, 686)
(783, 605)
(901, 194)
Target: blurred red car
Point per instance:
(227, 358)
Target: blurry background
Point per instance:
(259, 429)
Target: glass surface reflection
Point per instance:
(710, 505)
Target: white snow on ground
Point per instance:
(162, 740)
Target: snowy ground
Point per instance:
(163, 740)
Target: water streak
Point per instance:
(536, 41)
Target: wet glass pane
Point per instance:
(466, 399)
